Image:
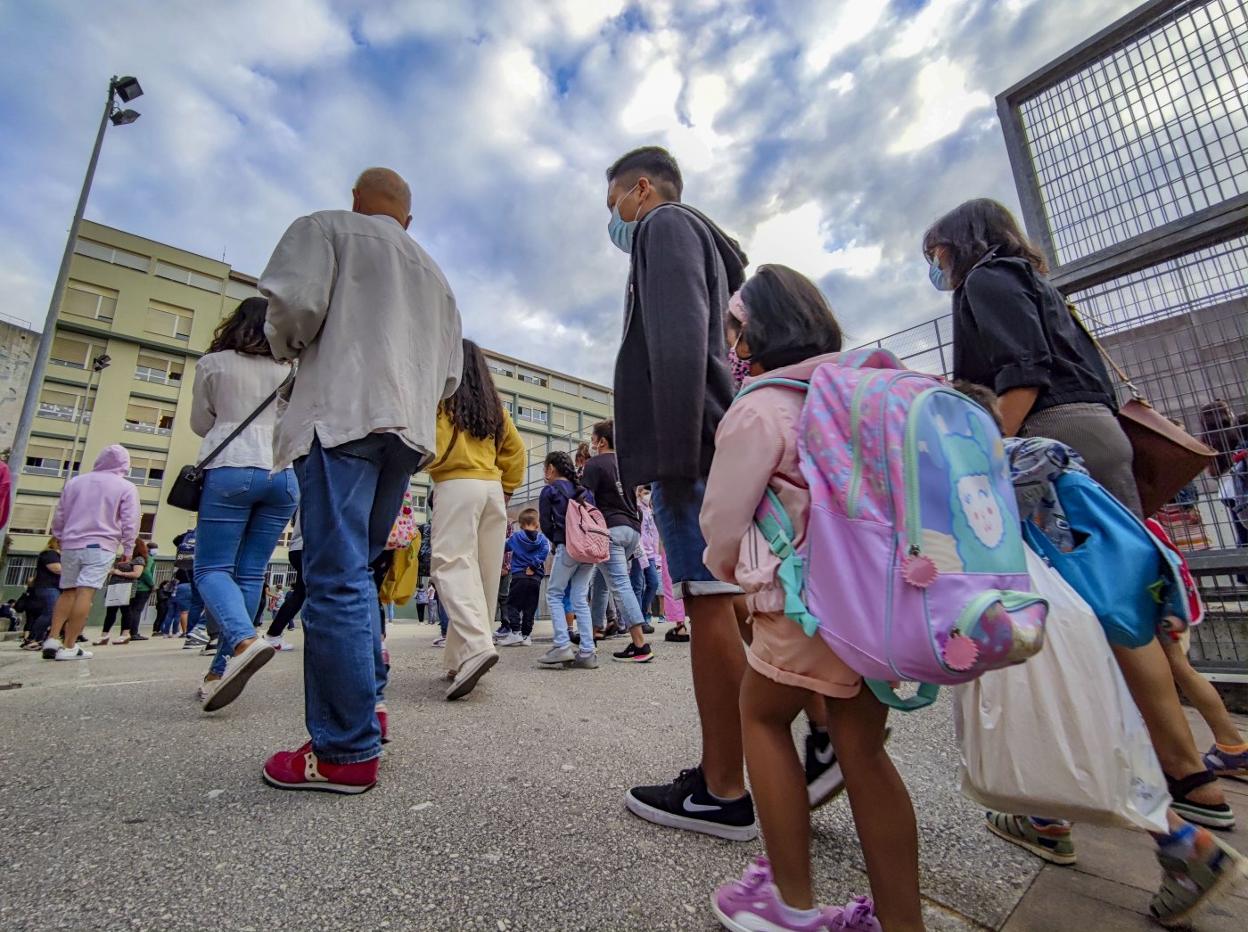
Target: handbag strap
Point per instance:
(202, 464)
(1077, 316)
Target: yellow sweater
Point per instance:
(503, 461)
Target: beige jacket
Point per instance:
(374, 326)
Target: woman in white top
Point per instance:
(244, 508)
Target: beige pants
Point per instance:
(469, 533)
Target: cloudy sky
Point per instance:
(825, 134)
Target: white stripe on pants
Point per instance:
(469, 533)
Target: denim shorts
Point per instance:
(677, 506)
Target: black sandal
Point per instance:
(677, 635)
(1210, 816)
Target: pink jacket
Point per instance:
(756, 448)
(100, 507)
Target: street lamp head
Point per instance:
(127, 88)
(101, 362)
(124, 117)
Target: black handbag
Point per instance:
(188, 488)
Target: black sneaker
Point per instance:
(83, 639)
(647, 628)
(139, 637)
(634, 654)
(687, 804)
(574, 637)
(823, 771)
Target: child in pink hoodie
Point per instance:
(781, 325)
(98, 514)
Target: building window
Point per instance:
(48, 458)
(500, 368)
(87, 301)
(563, 419)
(178, 273)
(74, 353)
(147, 468)
(106, 253)
(564, 385)
(169, 320)
(147, 525)
(240, 291)
(66, 403)
(31, 515)
(533, 378)
(594, 394)
(150, 417)
(159, 368)
(530, 413)
(510, 406)
(420, 500)
(19, 570)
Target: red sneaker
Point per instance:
(300, 770)
(383, 721)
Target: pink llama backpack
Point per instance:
(587, 537)
(913, 567)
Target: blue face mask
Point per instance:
(936, 275)
(621, 230)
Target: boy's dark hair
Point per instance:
(605, 430)
(656, 163)
(983, 396)
(974, 227)
(528, 517)
(789, 319)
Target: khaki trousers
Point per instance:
(469, 533)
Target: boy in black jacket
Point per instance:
(672, 386)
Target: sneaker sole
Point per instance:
(231, 689)
(728, 922)
(826, 788)
(701, 826)
(1061, 860)
(645, 659)
(1222, 887)
(342, 789)
(1222, 821)
(469, 683)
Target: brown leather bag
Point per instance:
(1166, 456)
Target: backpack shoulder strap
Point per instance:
(777, 529)
(795, 384)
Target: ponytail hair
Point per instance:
(562, 464)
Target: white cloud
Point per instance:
(829, 35)
(944, 102)
(797, 238)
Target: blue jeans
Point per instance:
(569, 585)
(350, 496)
(45, 605)
(177, 605)
(614, 573)
(243, 512)
(645, 582)
(443, 618)
(677, 507)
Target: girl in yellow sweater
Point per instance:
(481, 460)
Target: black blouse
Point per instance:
(1012, 329)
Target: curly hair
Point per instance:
(475, 408)
(562, 464)
(243, 331)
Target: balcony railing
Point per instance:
(63, 413)
(148, 429)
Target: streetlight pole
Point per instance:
(98, 365)
(129, 89)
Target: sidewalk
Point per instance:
(124, 805)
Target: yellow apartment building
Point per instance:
(136, 316)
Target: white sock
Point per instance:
(795, 916)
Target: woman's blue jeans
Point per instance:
(242, 514)
(571, 580)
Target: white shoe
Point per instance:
(439, 642)
(205, 690)
(238, 670)
(279, 643)
(526, 641)
(50, 648)
(73, 653)
(510, 639)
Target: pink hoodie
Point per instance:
(756, 448)
(100, 507)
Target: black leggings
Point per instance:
(130, 613)
(294, 598)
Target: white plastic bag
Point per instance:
(1059, 736)
(118, 594)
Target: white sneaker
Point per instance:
(439, 642)
(205, 690)
(279, 643)
(510, 639)
(526, 641)
(50, 648)
(238, 670)
(73, 653)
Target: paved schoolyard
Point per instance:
(125, 807)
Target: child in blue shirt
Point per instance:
(529, 549)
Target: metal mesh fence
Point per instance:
(1152, 131)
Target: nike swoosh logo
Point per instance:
(824, 755)
(690, 806)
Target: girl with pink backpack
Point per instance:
(781, 325)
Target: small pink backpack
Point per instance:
(913, 566)
(586, 536)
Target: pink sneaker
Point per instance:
(383, 722)
(753, 903)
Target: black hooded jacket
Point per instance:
(672, 379)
